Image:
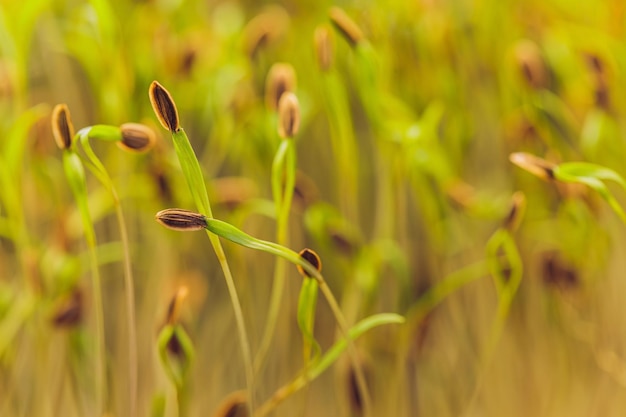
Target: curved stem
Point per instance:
(101, 173)
(75, 174)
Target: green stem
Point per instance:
(284, 166)
(230, 232)
(195, 181)
(343, 144)
(102, 174)
(325, 361)
(76, 177)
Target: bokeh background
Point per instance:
(403, 177)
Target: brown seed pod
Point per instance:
(516, 212)
(181, 220)
(280, 79)
(264, 28)
(311, 257)
(62, 127)
(288, 115)
(558, 273)
(173, 308)
(164, 106)
(324, 48)
(70, 313)
(136, 137)
(234, 405)
(537, 166)
(346, 26)
(531, 64)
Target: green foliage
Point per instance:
(398, 177)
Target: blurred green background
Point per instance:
(403, 180)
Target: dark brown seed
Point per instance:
(557, 273)
(531, 64)
(234, 405)
(62, 127)
(137, 137)
(70, 313)
(516, 212)
(311, 257)
(344, 243)
(346, 26)
(540, 167)
(281, 78)
(181, 220)
(288, 115)
(323, 47)
(264, 28)
(174, 347)
(164, 107)
(174, 306)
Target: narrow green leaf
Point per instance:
(307, 304)
(230, 232)
(577, 171)
(192, 171)
(592, 175)
(356, 331)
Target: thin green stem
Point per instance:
(283, 167)
(325, 361)
(76, 177)
(102, 174)
(230, 232)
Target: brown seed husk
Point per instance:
(288, 115)
(324, 49)
(311, 257)
(62, 127)
(234, 405)
(264, 28)
(346, 26)
(531, 64)
(164, 107)
(181, 220)
(137, 137)
(281, 78)
(516, 211)
(173, 308)
(70, 313)
(537, 166)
